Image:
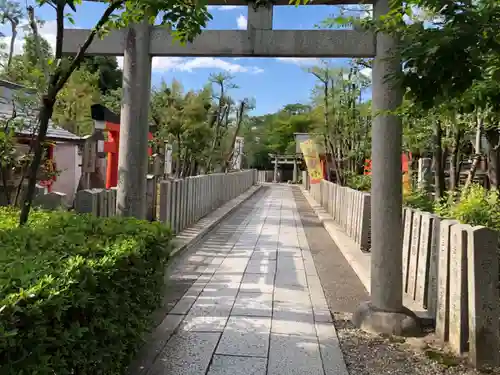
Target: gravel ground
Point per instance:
(367, 354)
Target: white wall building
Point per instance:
(67, 155)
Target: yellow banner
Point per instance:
(311, 157)
(406, 183)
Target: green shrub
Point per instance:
(76, 291)
(359, 182)
(475, 206)
(418, 199)
(443, 207)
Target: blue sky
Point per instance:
(272, 82)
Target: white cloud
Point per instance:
(242, 22)
(159, 63)
(48, 31)
(223, 8)
(166, 63)
(359, 10)
(301, 61)
(190, 64)
(215, 63)
(367, 72)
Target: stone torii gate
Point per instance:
(138, 43)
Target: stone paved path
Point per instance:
(257, 306)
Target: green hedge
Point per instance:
(77, 292)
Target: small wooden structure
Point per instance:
(109, 122)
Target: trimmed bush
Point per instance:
(77, 292)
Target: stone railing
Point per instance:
(178, 202)
(467, 302)
(48, 201)
(98, 202)
(265, 176)
(449, 269)
(452, 270)
(349, 208)
(420, 246)
(184, 202)
(305, 180)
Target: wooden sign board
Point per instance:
(89, 156)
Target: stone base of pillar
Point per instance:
(374, 320)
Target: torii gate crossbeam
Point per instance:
(237, 43)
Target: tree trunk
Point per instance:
(239, 120)
(216, 137)
(44, 117)
(454, 181)
(438, 161)
(493, 138)
(477, 156)
(5, 183)
(12, 44)
(60, 28)
(36, 41)
(453, 170)
(179, 157)
(335, 162)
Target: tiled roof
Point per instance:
(54, 132)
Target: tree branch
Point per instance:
(36, 38)
(59, 83)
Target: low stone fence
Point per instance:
(420, 267)
(48, 201)
(184, 202)
(179, 202)
(98, 202)
(265, 176)
(468, 303)
(449, 269)
(349, 208)
(305, 180)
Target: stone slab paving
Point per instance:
(257, 305)
(189, 236)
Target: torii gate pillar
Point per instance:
(385, 312)
(134, 127)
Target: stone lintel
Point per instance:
(237, 43)
(277, 2)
